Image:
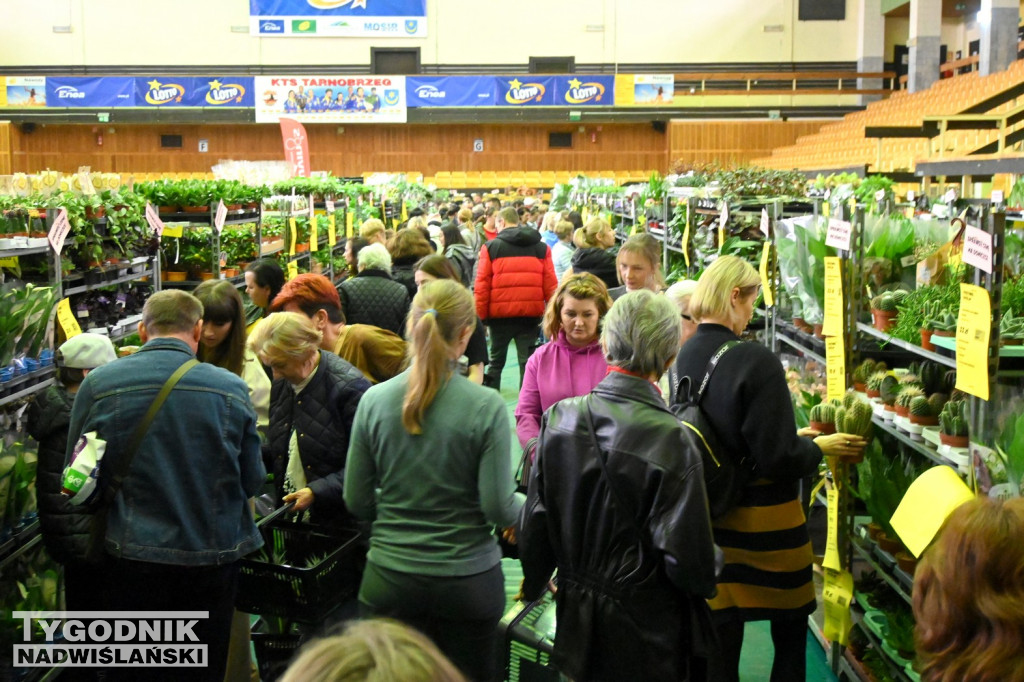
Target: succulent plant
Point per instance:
(899, 294)
(875, 380)
(855, 419)
(920, 407)
(937, 401)
(953, 419)
(823, 412)
(866, 369)
(849, 399)
(942, 322)
(889, 389)
(1011, 327)
(908, 394)
(884, 302)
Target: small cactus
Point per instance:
(840, 419)
(875, 380)
(884, 302)
(823, 412)
(898, 295)
(889, 389)
(937, 401)
(907, 394)
(911, 379)
(920, 407)
(953, 419)
(849, 399)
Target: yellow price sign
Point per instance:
(835, 367)
(766, 280)
(294, 234)
(349, 217)
(832, 559)
(66, 319)
(834, 307)
(684, 245)
(405, 213)
(331, 236)
(837, 595)
(314, 233)
(826, 209)
(973, 328)
(293, 270)
(173, 231)
(10, 262)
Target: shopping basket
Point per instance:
(303, 571)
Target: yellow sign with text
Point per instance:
(930, 499)
(293, 231)
(10, 262)
(293, 270)
(173, 231)
(684, 245)
(835, 367)
(835, 310)
(973, 328)
(66, 319)
(349, 217)
(332, 237)
(314, 233)
(766, 280)
(837, 595)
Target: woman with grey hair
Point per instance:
(373, 296)
(616, 503)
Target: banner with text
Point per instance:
(644, 90)
(451, 91)
(111, 91)
(584, 90)
(338, 18)
(331, 99)
(23, 91)
(296, 148)
(229, 91)
(525, 91)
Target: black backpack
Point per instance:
(725, 475)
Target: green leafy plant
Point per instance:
(1010, 450)
(881, 484)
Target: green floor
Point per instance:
(756, 662)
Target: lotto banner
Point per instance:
(526, 91)
(170, 91)
(491, 91)
(23, 91)
(450, 91)
(583, 90)
(331, 99)
(111, 91)
(339, 18)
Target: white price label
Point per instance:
(153, 218)
(911, 195)
(880, 195)
(950, 196)
(997, 196)
(838, 236)
(221, 217)
(59, 230)
(978, 248)
(330, 206)
(765, 222)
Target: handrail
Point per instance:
(750, 79)
(1002, 122)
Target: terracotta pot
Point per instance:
(252, 205)
(890, 408)
(174, 275)
(884, 320)
(205, 275)
(860, 387)
(195, 209)
(926, 339)
(302, 248)
(889, 544)
(954, 441)
(94, 213)
(230, 272)
(906, 561)
(930, 420)
(1010, 342)
(826, 428)
(873, 530)
(168, 209)
(902, 411)
(233, 207)
(872, 393)
(943, 332)
(817, 330)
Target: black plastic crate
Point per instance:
(294, 590)
(273, 653)
(529, 631)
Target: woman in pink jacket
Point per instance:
(571, 363)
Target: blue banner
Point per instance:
(450, 91)
(525, 91)
(582, 90)
(208, 91)
(338, 18)
(90, 92)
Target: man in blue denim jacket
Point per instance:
(181, 520)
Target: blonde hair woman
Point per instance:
(594, 241)
(639, 265)
(768, 558)
(429, 467)
(313, 402)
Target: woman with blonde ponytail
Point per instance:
(429, 465)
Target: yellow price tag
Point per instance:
(721, 237)
(585, 215)
(294, 234)
(831, 559)
(349, 230)
(293, 270)
(973, 328)
(766, 282)
(314, 234)
(834, 308)
(835, 367)
(66, 319)
(331, 236)
(837, 595)
(684, 245)
(930, 499)
(853, 206)
(173, 231)
(11, 262)
(826, 209)
(405, 214)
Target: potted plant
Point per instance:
(888, 391)
(1011, 329)
(883, 311)
(853, 416)
(907, 393)
(864, 371)
(943, 324)
(881, 484)
(954, 425)
(822, 418)
(874, 383)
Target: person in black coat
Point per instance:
(65, 528)
(313, 403)
(594, 254)
(372, 296)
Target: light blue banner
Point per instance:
(338, 18)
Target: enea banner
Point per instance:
(331, 99)
(225, 92)
(23, 91)
(339, 18)
(105, 92)
(451, 91)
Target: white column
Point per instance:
(925, 38)
(870, 46)
(998, 20)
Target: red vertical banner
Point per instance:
(296, 146)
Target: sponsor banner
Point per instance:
(450, 91)
(338, 18)
(90, 92)
(644, 90)
(523, 91)
(296, 152)
(582, 90)
(331, 99)
(208, 91)
(23, 91)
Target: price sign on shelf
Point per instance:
(314, 234)
(332, 238)
(221, 217)
(59, 231)
(973, 328)
(765, 228)
(837, 595)
(312, 207)
(349, 217)
(838, 235)
(153, 218)
(766, 280)
(997, 196)
(834, 306)
(977, 249)
(835, 367)
(66, 319)
(330, 207)
(293, 232)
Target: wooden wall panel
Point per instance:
(732, 143)
(5, 147)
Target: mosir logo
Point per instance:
(221, 93)
(380, 27)
(165, 639)
(162, 93)
(430, 92)
(521, 93)
(69, 92)
(581, 93)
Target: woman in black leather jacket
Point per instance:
(631, 538)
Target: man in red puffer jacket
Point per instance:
(515, 277)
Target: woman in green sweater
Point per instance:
(429, 465)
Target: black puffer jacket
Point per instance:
(372, 297)
(403, 271)
(65, 529)
(321, 415)
(625, 602)
(598, 262)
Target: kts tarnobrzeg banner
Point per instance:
(331, 99)
(338, 18)
(296, 146)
